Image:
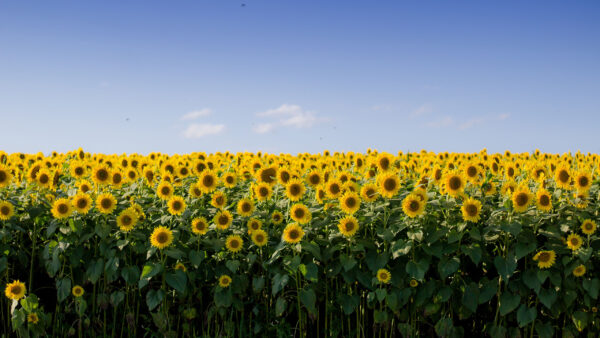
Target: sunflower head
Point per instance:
(471, 210)
(127, 219)
(164, 190)
(62, 208)
(293, 233)
(259, 237)
(389, 184)
(588, 227)
(208, 181)
(180, 266)
(350, 202)
(579, 270)
(263, 191)
(199, 226)
(77, 291)
(101, 175)
(176, 205)
(384, 276)
(33, 318)
(106, 203)
(254, 224)
(413, 283)
(521, 199)
(333, 189)
(454, 183)
(543, 200)
(583, 181)
(15, 290)
(294, 189)
(545, 259)
(368, 192)
(223, 219)
(82, 203)
(245, 207)
(6, 210)
(300, 213)
(574, 242)
(348, 226)
(277, 217)
(224, 281)
(161, 237)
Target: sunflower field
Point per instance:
(333, 244)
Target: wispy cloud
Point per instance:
(197, 114)
(422, 110)
(503, 117)
(441, 122)
(287, 115)
(198, 130)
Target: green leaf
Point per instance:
(223, 298)
(417, 270)
(580, 319)
(348, 303)
(95, 269)
(347, 262)
(380, 316)
(401, 248)
(591, 286)
(526, 315)
(116, 298)
(508, 302)
(505, 266)
(232, 265)
(524, 249)
(544, 330)
(280, 306)
(530, 278)
(29, 303)
(585, 254)
(313, 248)
(310, 271)
(175, 253)
(130, 274)
(446, 267)
(381, 293)
(444, 294)
(470, 297)
(548, 297)
(196, 257)
(512, 228)
(258, 283)
(154, 298)
(279, 282)
(473, 251)
(308, 299)
(444, 327)
(177, 280)
(63, 289)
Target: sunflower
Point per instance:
(384, 276)
(180, 266)
(384, 162)
(199, 226)
(127, 220)
(508, 188)
(254, 224)
(224, 281)
(574, 242)
(277, 217)
(413, 206)
(284, 175)
(84, 186)
(350, 202)
(543, 200)
(471, 171)
(61, 208)
(300, 213)
(106, 203)
(579, 270)
(234, 243)
(195, 190)
(176, 205)
(208, 181)
(267, 175)
(588, 227)
(33, 318)
(471, 210)
(6, 210)
(562, 177)
(77, 291)
(259, 237)
(583, 181)
(82, 203)
(223, 219)
(293, 233)
(333, 188)
(101, 175)
(229, 179)
(15, 290)
(164, 190)
(132, 175)
(245, 207)
(263, 191)
(368, 192)
(116, 178)
(348, 226)
(521, 199)
(44, 178)
(161, 237)
(294, 189)
(454, 183)
(413, 283)
(545, 259)
(5, 176)
(77, 169)
(314, 178)
(389, 184)
(149, 176)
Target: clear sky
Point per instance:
(299, 76)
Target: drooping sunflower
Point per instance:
(161, 237)
(259, 237)
(294, 189)
(5, 176)
(545, 258)
(384, 276)
(33, 318)
(413, 206)
(77, 291)
(333, 188)
(180, 266)
(176, 205)
(350, 202)
(521, 199)
(293, 233)
(61, 208)
(106, 203)
(253, 224)
(508, 188)
(101, 175)
(300, 213)
(208, 181)
(82, 203)
(368, 192)
(277, 217)
(583, 181)
(489, 189)
(234, 243)
(224, 281)
(263, 191)
(164, 190)
(574, 242)
(579, 270)
(588, 227)
(348, 226)
(543, 200)
(223, 219)
(471, 210)
(454, 183)
(199, 226)
(389, 184)
(6, 210)
(245, 207)
(127, 219)
(15, 290)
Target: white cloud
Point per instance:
(441, 122)
(471, 123)
(196, 114)
(287, 115)
(422, 110)
(197, 130)
(503, 117)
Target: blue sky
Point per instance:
(299, 76)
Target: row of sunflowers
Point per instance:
(331, 244)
